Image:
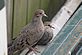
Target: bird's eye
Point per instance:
(40, 13)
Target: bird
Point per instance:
(48, 34)
(29, 35)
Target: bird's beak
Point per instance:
(45, 15)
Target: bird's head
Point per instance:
(48, 24)
(39, 13)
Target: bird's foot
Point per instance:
(35, 50)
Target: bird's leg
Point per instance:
(32, 49)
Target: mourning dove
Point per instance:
(48, 34)
(30, 34)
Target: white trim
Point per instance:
(3, 32)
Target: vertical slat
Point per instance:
(9, 4)
(19, 18)
(44, 5)
(32, 6)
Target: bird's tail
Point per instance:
(10, 50)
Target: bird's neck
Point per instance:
(37, 19)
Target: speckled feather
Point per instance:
(47, 36)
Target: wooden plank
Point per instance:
(19, 18)
(9, 4)
(32, 6)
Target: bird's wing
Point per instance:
(47, 36)
(32, 34)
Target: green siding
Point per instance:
(44, 5)
(32, 6)
(19, 18)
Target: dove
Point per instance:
(29, 35)
(47, 36)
